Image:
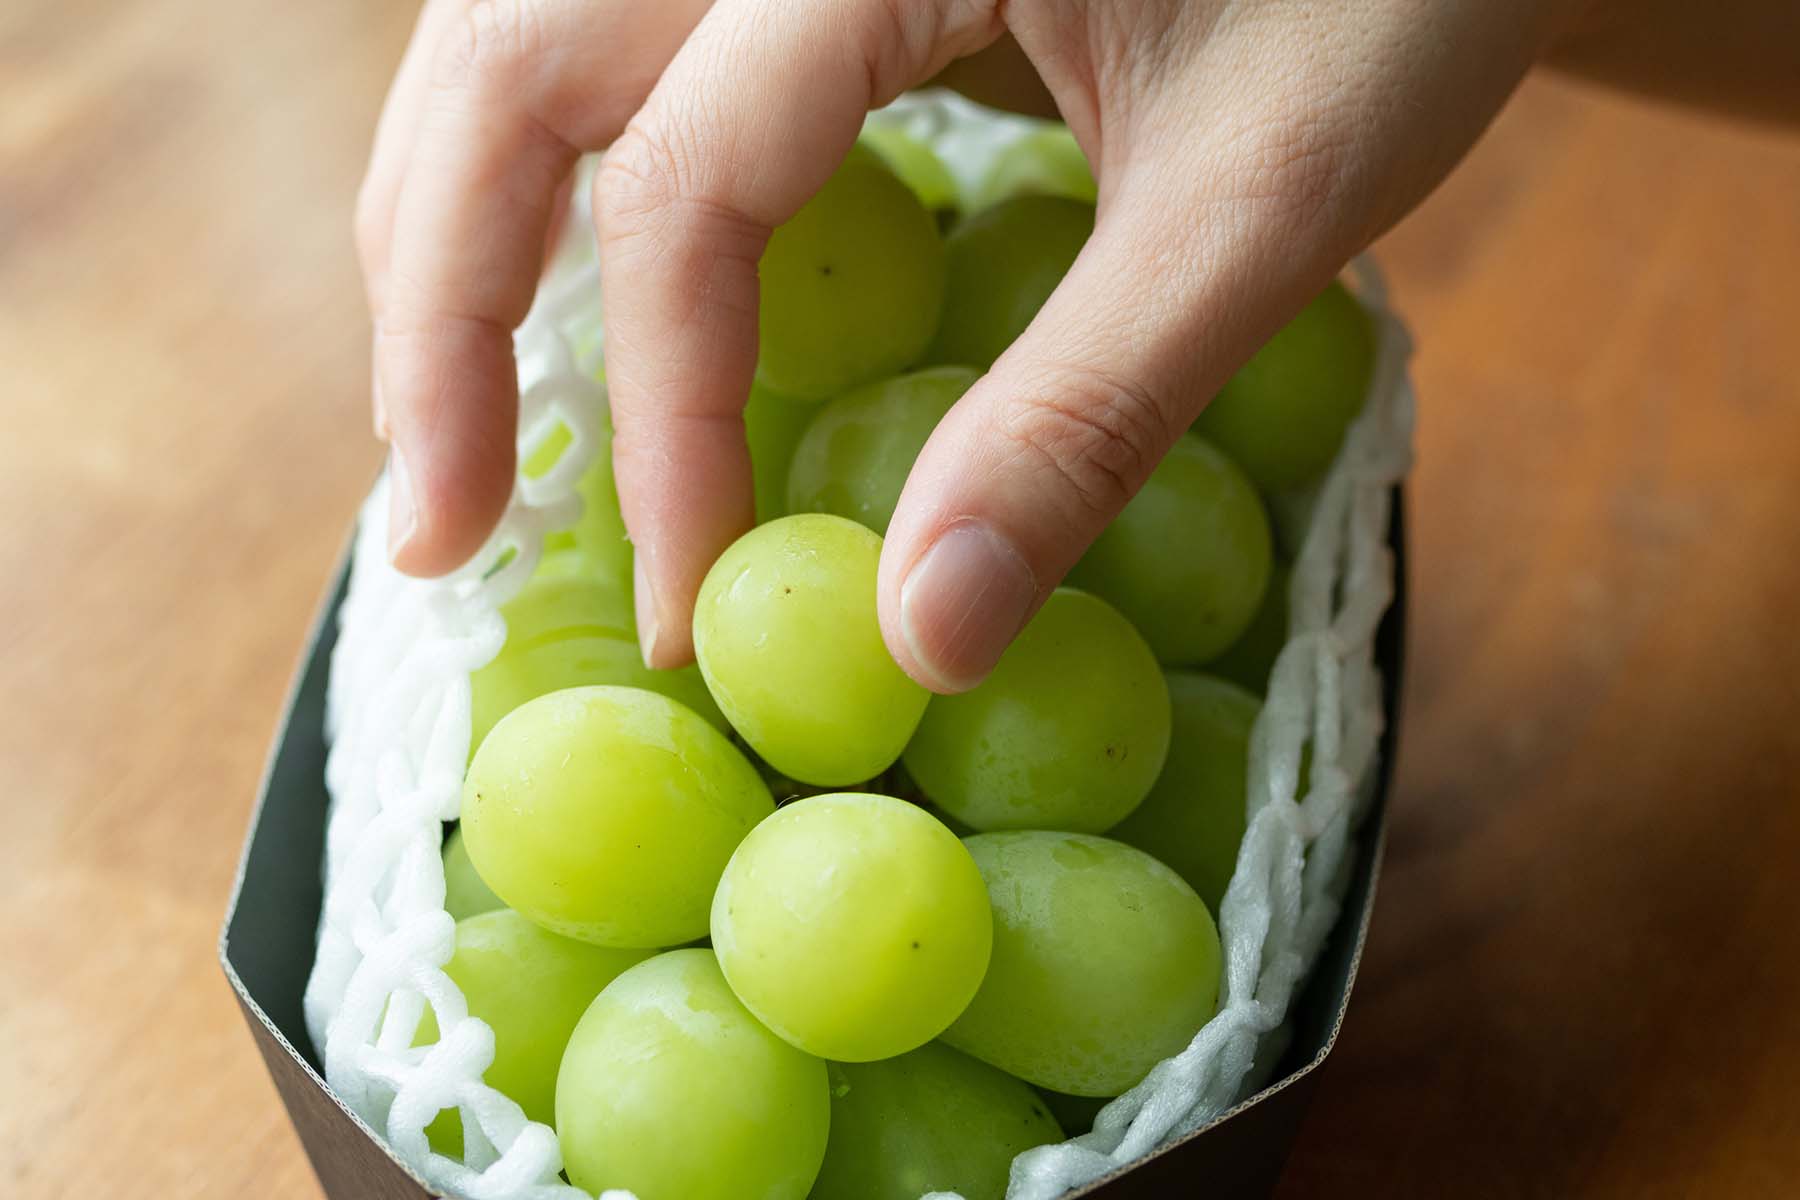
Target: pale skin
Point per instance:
(1245, 150)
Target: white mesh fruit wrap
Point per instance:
(398, 716)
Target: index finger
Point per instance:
(744, 126)
(517, 91)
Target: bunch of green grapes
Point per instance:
(888, 985)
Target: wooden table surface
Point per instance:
(1583, 973)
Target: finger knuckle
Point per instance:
(895, 35)
(493, 45)
(641, 175)
(897, 38)
(1100, 431)
(652, 180)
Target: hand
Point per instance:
(460, 151)
(1245, 149)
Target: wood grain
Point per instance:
(1584, 960)
(1582, 971)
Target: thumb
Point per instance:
(1164, 301)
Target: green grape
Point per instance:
(1046, 162)
(563, 595)
(608, 813)
(1105, 963)
(855, 456)
(853, 925)
(1193, 819)
(917, 165)
(531, 987)
(787, 638)
(465, 895)
(1069, 732)
(579, 659)
(567, 630)
(1003, 263)
(598, 536)
(773, 424)
(670, 1088)
(1282, 417)
(1253, 655)
(1075, 1114)
(851, 286)
(934, 1120)
(1188, 560)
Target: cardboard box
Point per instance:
(266, 948)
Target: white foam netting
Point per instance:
(398, 718)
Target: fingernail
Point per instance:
(643, 602)
(963, 602)
(403, 512)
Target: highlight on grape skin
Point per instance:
(894, 1008)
